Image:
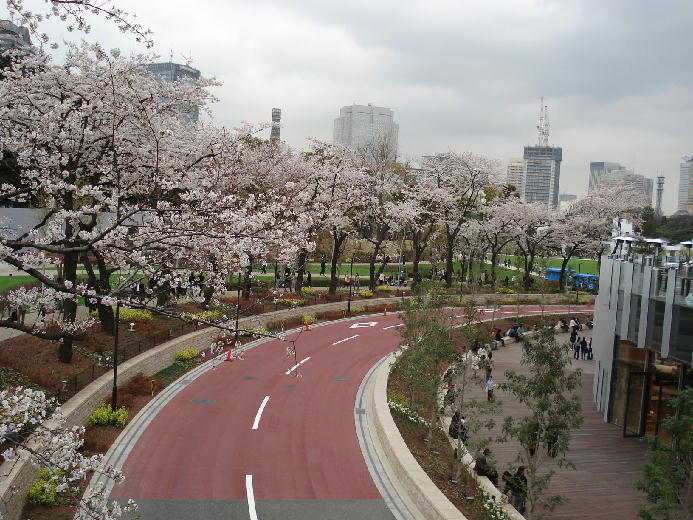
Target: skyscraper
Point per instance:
(516, 174)
(169, 72)
(13, 36)
(598, 170)
(364, 126)
(624, 178)
(542, 166)
(685, 199)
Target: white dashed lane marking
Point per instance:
(345, 339)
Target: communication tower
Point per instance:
(543, 126)
(660, 191)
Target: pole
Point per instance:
(114, 392)
(238, 307)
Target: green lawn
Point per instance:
(585, 265)
(7, 282)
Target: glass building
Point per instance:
(169, 72)
(642, 339)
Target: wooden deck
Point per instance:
(607, 465)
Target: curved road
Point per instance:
(264, 438)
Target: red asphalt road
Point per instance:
(306, 445)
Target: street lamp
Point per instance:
(114, 391)
(351, 279)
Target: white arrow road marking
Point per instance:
(258, 415)
(364, 324)
(296, 366)
(251, 497)
(346, 339)
(392, 326)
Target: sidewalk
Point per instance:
(601, 486)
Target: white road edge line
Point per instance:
(393, 326)
(296, 366)
(346, 339)
(251, 497)
(258, 415)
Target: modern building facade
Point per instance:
(630, 180)
(642, 339)
(542, 174)
(363, 126)
(516, 174)
(13, 37)
(685, 198)
(169, 72)
(598, 170)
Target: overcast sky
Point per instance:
(462, 75)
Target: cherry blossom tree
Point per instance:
(498, 230)
(55, 446)
(534, 230)
(461, 180)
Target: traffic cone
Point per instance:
(385, 311)
(229, 354)
(307, 329)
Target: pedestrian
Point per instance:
(589, 350)
(583, 348)
(485, 467)
(500, 342)
(489, 388)
(322, 268)
(576, 350)
(277, 279)
(357, 282)
(573, 336)
(519, 490)
(263, 267)
(573, 324)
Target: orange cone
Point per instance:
(229, 354)
(385, 311)
(307, 329)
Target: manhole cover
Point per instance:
(360, 411)
(340, 378)
(291, 386)
(203, 400)
(249, 378)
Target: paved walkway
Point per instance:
(601, 487)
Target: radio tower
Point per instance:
(660, 190)
(543, 126)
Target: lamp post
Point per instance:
(114, 392)
(238, 307)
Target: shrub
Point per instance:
(505, 290)
(308, 319)
(365, 293)
(308, 291)
(43, 490)
(128, 315)
(290, 302)
(138, 385)
(211, 315)
(104, 416)
(584, 301)
(383, 288)
(187, 355)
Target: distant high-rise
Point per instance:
(169, 72)
(624, 178)
(366, 126)
(598, 170)
(685, 199)
(13, 37)
(660, 192)
(516, 174)
(276, 121)
(542, 172)
(566, 198)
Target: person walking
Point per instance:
(322, 268)
(489, 388)
(589, 350)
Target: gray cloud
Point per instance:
(617, 75)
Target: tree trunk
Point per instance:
(372, 275)
(448, 265)
(418, 253)
(494, 263)
(529, 265)
(300, 269)
(561, 277)
(338, 242)
(69, 306)
(247, 279)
